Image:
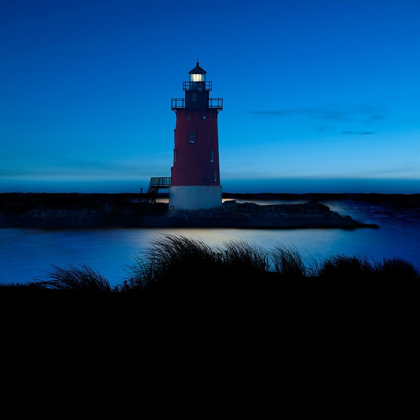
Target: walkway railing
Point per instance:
(159, 182)
(156, 183)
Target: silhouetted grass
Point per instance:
(289, 264)
(177, 270)
(363, 271)
(171, 265)
(176, 266)
(244, 257)
(72, 278)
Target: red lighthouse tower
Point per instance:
(195, 172)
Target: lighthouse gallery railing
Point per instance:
(179, 103)
(200, 86)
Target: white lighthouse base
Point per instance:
(195, 197)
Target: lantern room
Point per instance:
(197, 74)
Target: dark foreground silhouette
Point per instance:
(178, 276)
(237, 314)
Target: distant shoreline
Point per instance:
(261, 195)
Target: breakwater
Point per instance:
(19, 210)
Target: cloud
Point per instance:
(322, 129)
(270, 113)
(330, 112)
(314, 113)
(357, 132)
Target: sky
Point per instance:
(319, 95)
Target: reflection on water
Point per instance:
(25, 254)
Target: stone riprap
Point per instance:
(251, 215)
(125, 210)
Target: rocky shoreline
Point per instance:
(250, 215)
(131, 210)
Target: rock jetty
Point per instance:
(125, 210)
(250, 215)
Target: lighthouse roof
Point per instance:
(197, 70)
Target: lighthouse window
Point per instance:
(175, 153)
(215, 176)
(211, 155)
(192, 136)
(194, 96)
(197, 77)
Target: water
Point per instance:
(26, 254)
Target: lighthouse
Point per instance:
(195, 172)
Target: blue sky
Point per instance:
(318, 94)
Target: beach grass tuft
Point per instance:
(76, 278)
